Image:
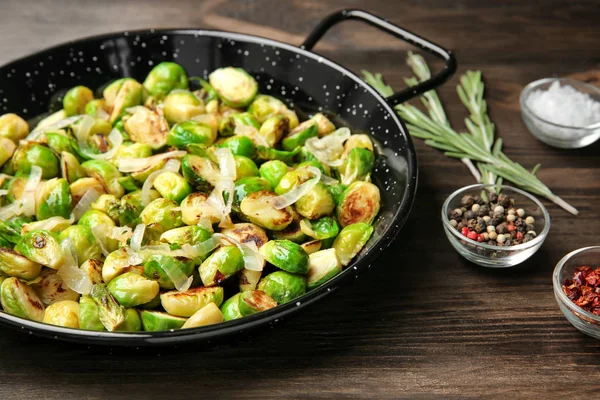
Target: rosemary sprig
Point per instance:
(475, 146)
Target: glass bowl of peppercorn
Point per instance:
(495, 226)
(576, 282)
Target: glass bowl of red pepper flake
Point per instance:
(495, 226)
(576, 282)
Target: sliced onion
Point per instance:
(133, 258)
(328, 149)
(181, 281)
(115, 139)
(139, 164)
(226, 162)
(138, 236)
(216, 200)
(102, 114)
(327, 180)
(120, 233)
(50, 223)
(63, 123)
(72, 276)
(202, 248)
(171, 165)
(3, 192)
(28, 196)
(293, 195)
(253, 260)
(85, 202)
(11, 210)
(83, 130)
(98, 232)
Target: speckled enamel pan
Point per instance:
(303, 79)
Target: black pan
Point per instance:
(303, 79)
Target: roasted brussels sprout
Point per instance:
(93, 270)
(312, 247)
(230, 309)
(244, 167)
(89, 315)
(293, 232)
(116, 263)
(246, 232)
(282, 286)
(105, 173)
(81, 186)
(100, 224)
(258, 209)
(268, 153)
(41, 247)
(97, 109)
(337, 190)
(200, 171)
(193, 210)
(239, 146)
(299, 135)
(121, 95)
(53, 199)
(19, 299)
(274, 128)
(185, 304)
(59, 142)
(254, 301)
(131, 207)
(317, 203)
(182, 105)
(351, 240)
(207, 315)
(249, 279)
(360, 202)
(148, 127)
(84, 242)
(76, 99)
(264, 107)
(109, 204)
(245, 186)
(357, 141)
(273, 171)
(131, 289)
(13, 127)
(322, 266)
(220, 265)
(14, 264)
(29, 154)
(286, 255)
(162, 267)
(358, 166)
(62, 313)
(186, 234)
(160, 321)
(165, 77)
(163, 212)
(234, 86)
(321, 229)
(132, 322)
(110, 312)
(172, 186)
(188, 132)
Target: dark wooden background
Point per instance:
(422, 323)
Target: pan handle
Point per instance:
(382, 24)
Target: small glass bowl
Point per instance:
(586, 322)
(551, 133)
(497, 256)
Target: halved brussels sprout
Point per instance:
(128, 183)
(312, 247)
(70, 168)
(131, 150)
(51, 119)
(274, 128)
(268, 153)
(109, 204)
(29, 154)
(351, 240)
(230, 309)
(231, 122)
(13, 127)
(186, 234)
(200, 171)
(249, 279)
(9, 233)
(182, 105)
(254, 301)
(337, 191)
(324, 125)
(245, 186)
(93, 269)
(358, 166)
(207, 315)
(157, 265)
(110, 312)
(84, 242)
(185, 304)
(292, 179)
(105, 173)
(7, 149)
(89, 318)
(192, 209)
(81, 186)
(100, 224)
(286, 255)
(154, 321)
(53, 199)
(76, 99)
(282, 286)
(220, 265)
(246, 232)
(235, 87)
(273, 171)
(264, 107)
(258, 209)
(172, 186)
(51, 288)
(165, 77)
(131, 289)
(321, 229)
(322, 266)
(299, 135)
(357, 141)
(19, 299)
(117, 263)
(14, 264)
(359, 203)
(121, 95)
(244, 167)
(62, 313)
(292, 232)
(163, 212)
(97, 109)
(148, 127)
(132, 322)
(188, 132)
(58, 141)
(15, 187)
(16, 223)
(41, 247)
(239, 146)
(131, 207)
(317, 203)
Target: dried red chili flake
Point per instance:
(584, 288)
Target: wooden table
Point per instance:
(423, 322)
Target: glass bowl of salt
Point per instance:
(562, 112)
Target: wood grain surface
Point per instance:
(422, 323)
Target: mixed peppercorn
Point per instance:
(494, 220)
(584, 288)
